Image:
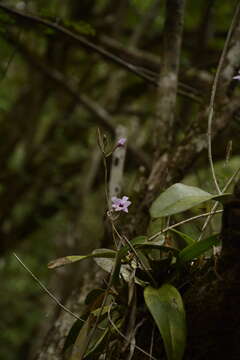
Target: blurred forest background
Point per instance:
(56, 90)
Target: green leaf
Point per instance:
(138, 240)
(188, 239)
(223, 198)
(98, 253)
(157, 245)
(98, 345)
(198, 248)
(73, 333)
(142, 242)
(166, 306)
(114, 265)
(93, 295)
(105, 264)
(101, 310)
(81, 343)
(155, 227)
(178, 198)
(122, 253)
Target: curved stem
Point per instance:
(213, 95)
(43, 287)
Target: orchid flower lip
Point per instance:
(236, 77)
(120, 204)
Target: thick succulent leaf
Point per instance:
(178, 198)
(141, 242)
(98, 345)
(157, 245)
(223, 198)
(94, 295)
(98, 253)
(155, 227)
(188, 239)
(105, 264)
(138, 240)
(166, 306)
(114, 265)
(74, 331)
(198, 248)
(81, 343)
(100, 311)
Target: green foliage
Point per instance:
(51, 183)
(81, 342)
(136, 264)
(98, 253)
(73, 333)
(197, 249)
(166, 307)
(178, 198)
(188, 239)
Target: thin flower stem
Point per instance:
(152, 339)
(234, 175)
(106, 182)
(230, 180)
(114, 232)
(209, 137)
(104, 156)
(43, 287)
(183, 222)
(212, 99)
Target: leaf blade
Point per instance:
(198, 248)
(166, 306)
(188, 239)
(178, 198)
(81, 343)
(98, 253)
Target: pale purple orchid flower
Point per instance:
(120, 204)
(121, 142)
(236, 77)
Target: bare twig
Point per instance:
(147, 63)
(77, 38)
(235, 174)
(96, 48)
(101, 115)
(213, 94)
(14, 52)
(183, 222)
(43, 287)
